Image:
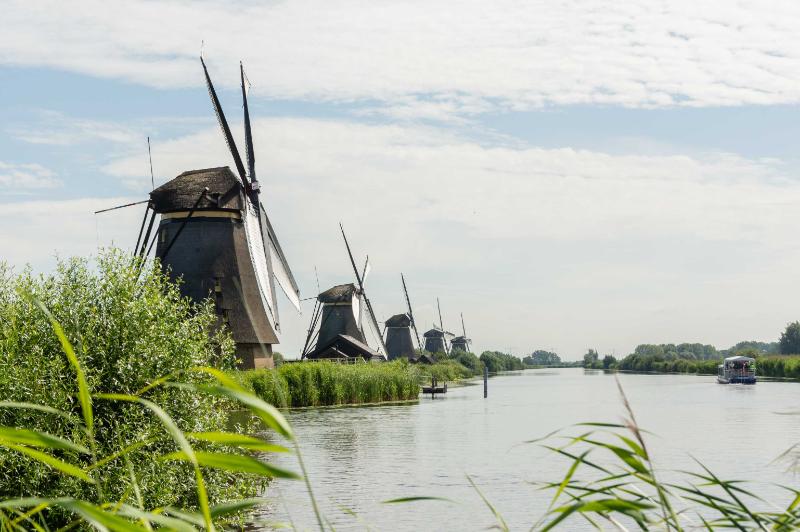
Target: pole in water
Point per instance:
(485, 382)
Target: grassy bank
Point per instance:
(774, 366)
(328, 383)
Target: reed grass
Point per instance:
(325, 383)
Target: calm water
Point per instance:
(360, 456)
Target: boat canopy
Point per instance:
(740, 359)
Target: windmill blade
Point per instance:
(122, 206)
(367, 269)
(224, 125)
(248, 135)
(441, 324)
(374, 320)
(280, 267)
(463, 328)
(410, 311)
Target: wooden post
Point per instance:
(485, 382)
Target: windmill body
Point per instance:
(399, 337)
(460, 343)
(340, 334)
(437, 340)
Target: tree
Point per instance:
(590, 358)
(790, 339)
(540, 357)
(609, 361)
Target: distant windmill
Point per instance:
(399, 342)
(216, 236)
(337, 320)
(461, 343)
(436, 339)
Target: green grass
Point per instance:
(324, 383)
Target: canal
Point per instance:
(358, 457)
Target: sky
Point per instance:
(568, 175)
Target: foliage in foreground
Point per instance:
(89, 446)
(129, 326)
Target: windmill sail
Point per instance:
(280, 267)
(223, 123)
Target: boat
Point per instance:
(737, 370)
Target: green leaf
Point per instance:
(51, 461)
(83, 387)
(99, 517)
(417, 499)
(268, 413)
(37, 439)
(221, 376)
(182, 442)
(237, 440)
(235, 507)
(170, 523)
(234, 462)
(41, 408)
(502, 523)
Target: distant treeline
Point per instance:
(773, 359)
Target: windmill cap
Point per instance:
(342, 293)
(223, 191)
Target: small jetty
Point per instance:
(434, 388)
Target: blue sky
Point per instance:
(571, 176)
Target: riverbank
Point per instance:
(774, 366)
(306, 384)
(309, 384)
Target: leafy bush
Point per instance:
(496, 361)
(90, 419)
(446, 371)
(470, 361)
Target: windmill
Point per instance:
(337, 320)
(436, 339)
(399, 342)
(461, 343)
(215, 235)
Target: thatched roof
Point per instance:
(437, 333)
(399, 320)
(342, 293)
(180, 194)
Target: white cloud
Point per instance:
(35, 232)
(55, 128)
(538, 247)
(515, 54)
(24, 177)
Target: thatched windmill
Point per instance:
(461, 343)
(336, 329)
(399, 340)
(215, 235)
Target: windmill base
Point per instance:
(254, 356)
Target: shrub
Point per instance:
(129, 326)
(496, 361)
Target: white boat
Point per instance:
(737, 370)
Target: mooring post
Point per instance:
(485, 382)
